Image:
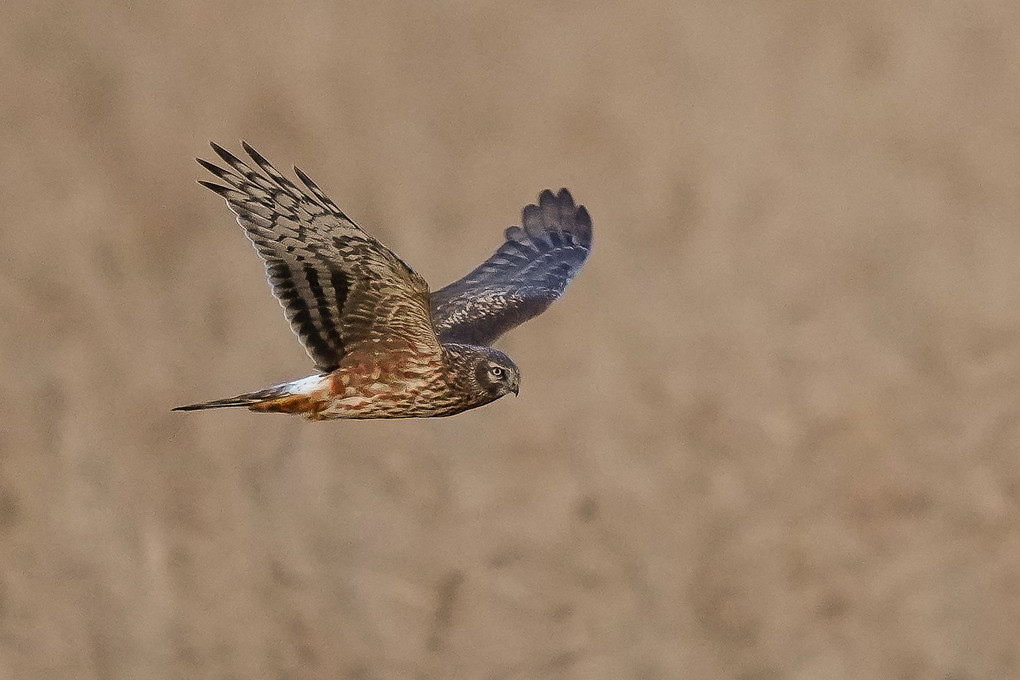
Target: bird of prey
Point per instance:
(383, 345)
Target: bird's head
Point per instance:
(496, 373)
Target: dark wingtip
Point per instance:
(224, 154)
(554, 213)
(583, 231)
(216, 188)
(255, 155)
(214, 169)
(529, 213)
(561, 197)
(515, 233)
(307, 181)
(564, 197)
(302, 176)
(582, 217)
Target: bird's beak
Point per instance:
(515, 387)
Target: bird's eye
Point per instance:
(496, 372)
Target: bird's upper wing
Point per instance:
(523, 277)
(339, 287)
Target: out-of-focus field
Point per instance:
(770, 431)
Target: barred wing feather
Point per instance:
(339, 287)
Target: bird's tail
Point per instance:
(288, 397)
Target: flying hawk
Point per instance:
(383, 345)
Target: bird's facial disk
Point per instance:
(499, 375)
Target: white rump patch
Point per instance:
(307, 385)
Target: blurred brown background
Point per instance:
(770, 431)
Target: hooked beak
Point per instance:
(515, 387)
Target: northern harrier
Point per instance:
(384, 347)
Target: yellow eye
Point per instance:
(496, 372)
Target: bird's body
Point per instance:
(384, 346)
(393, 381)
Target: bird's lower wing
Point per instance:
(522, 278)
